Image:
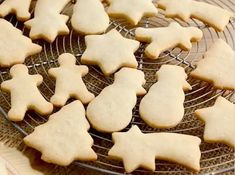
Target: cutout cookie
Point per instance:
(64, 138)
(136, 149)
(132, 10)
(48, 23)
(163, 106)
(110, 51)
(14, 46)
(25, 94)
(89, 17)
(20, 8)
(164, 38)
(219, 122)
(111, 110)
(69, 81)
(184, 9)
(217, 66)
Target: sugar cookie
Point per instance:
(25, 94)
(110, 51)
(163, 106)
(217, 66)
(163, 38)
(64, 138)
(136, 149)
(69, 81)
(112, 109)
(209, 14)
(21, 9)
(14, 46)
(89, 17)
(48, 23)
(219, 122)
(132, 10)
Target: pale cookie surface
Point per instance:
(48, 23)
(89, 17)
(110, 51)
(217, 66)
(20, 8)
(219, 122)
(111, 110)
(209, 14)
(14, 46)
(64, 138)
(132, 10)
(136, 149)
(164, 38)
(24, 93)
(163, 106)
(3, 168)
(69, 83)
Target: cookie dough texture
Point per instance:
(24, 93)
(112, 109)
(136, 149)
(64, 138)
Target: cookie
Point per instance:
(25, 94)
(217, 66)
(136, 149)
(111, 110)
(163, 106)
(89, 17)
(110, 51)
(21, 9)
(69, 83)
(164, 38)
(48, 23)
(132, 10)
(219, 122)
(14, 46)
(3, 168)
(212, 15)
(64, 138)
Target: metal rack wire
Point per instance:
(216, 158)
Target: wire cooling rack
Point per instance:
(216, 158)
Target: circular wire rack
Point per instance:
(215, 159)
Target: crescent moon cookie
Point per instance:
(217, 66)
(48, 23)
(89, 17)
(184, 9)
(112, 109)
(20, 8)
(132, 10)
(219, 122)
(25, 94)
(69, 81)
(163, 106)
(110, 51)
(164, 38)
(64, 137)
(136, 149)
(14, 46)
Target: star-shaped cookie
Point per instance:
(132, 10)
(217, 66)
(163, 38)
(136, 149)
(219, 122)
(110, 51)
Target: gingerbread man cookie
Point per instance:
(48, 23)
(69, 81)
(25, 94)
(164, 38)
(111, 110)
(163, 106)
(64, 138)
